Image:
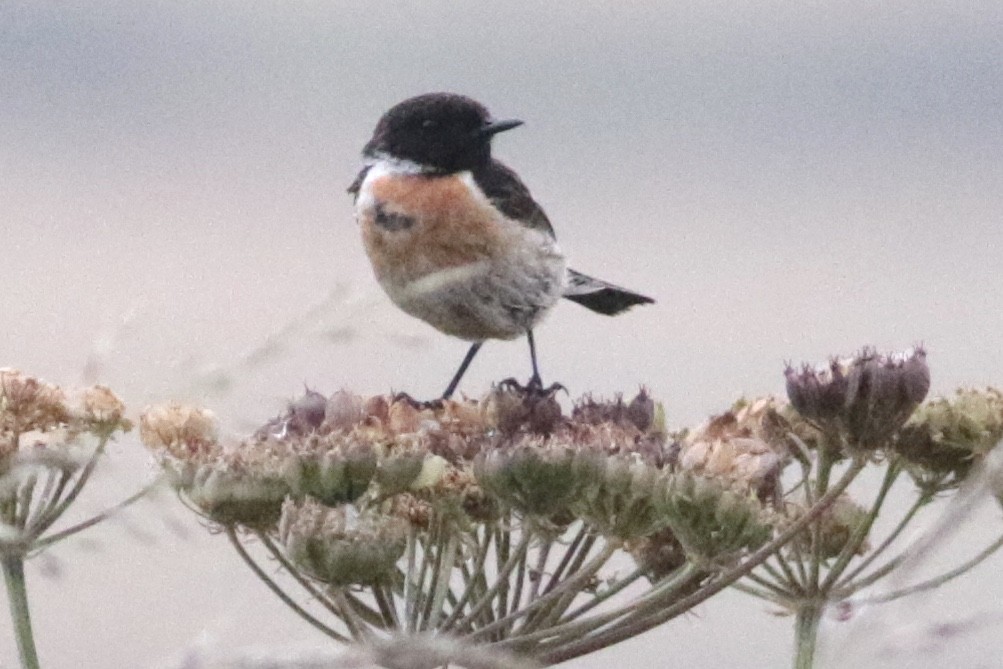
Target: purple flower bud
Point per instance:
(869, 396)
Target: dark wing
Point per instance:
(357, 184)
(600, 296)
(511, 197)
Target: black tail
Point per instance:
(599, 296)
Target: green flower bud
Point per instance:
(536, 478)
(711, 520)
(834, 527)
(621, 501)
(235, 497)
(341, 546)
(341, 474)
(659, 553)
(947, 435)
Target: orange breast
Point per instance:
(450, 226)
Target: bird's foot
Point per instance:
(417, 404)
(533, 389)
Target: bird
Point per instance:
(454, 236)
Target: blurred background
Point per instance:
(788, 180)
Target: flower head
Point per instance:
(868, 396)
(834, 528)
(711, 520)
(179, 430)
(949, 434)
(341, 546)
(28, 404)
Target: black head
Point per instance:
(439, 131)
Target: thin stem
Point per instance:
(541, 569)
(421, 594)
(809, 616)
(503, 575)
(356, 625)
(364, 611)
(57, 510)
(556, 635)
(435, 572)
(24, 493)
(576, 554)
(564, 652)
(788, 577)
(520, 579)
(505, 545)
(572, 585)
(40, 544)
(442, 577)
(822, 485)
(792, 590)
(385, 602)
(552, 612)
(938, 581)
(920, 502)
(472, 581)
(409, 585)
(859, 535)
(607, 594)
(231, 534)
(17, 598)
(762, 594)
(304, 583)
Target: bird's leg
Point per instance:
(535, 382)
(476, 346)
(535, 386)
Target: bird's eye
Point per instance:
(428, 124)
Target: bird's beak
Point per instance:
(494, 127)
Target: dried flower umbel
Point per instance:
(867, 397)
(50, 443)
(848, 414)
(493, 522)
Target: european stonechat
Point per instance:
(454, 236)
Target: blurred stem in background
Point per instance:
(866, 407)
(50, 444)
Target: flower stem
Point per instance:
(17, 597)
(806, 629)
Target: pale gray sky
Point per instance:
(789, 180)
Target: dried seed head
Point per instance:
(343, 411)
(29, 404)
(181, 431)
(737, 448)
(512, 411)
(103, 408)
(306, 413)
(639, 413)
(404, 418)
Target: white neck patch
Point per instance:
(396, 165)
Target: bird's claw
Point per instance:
(417, 404)
(532, 389)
